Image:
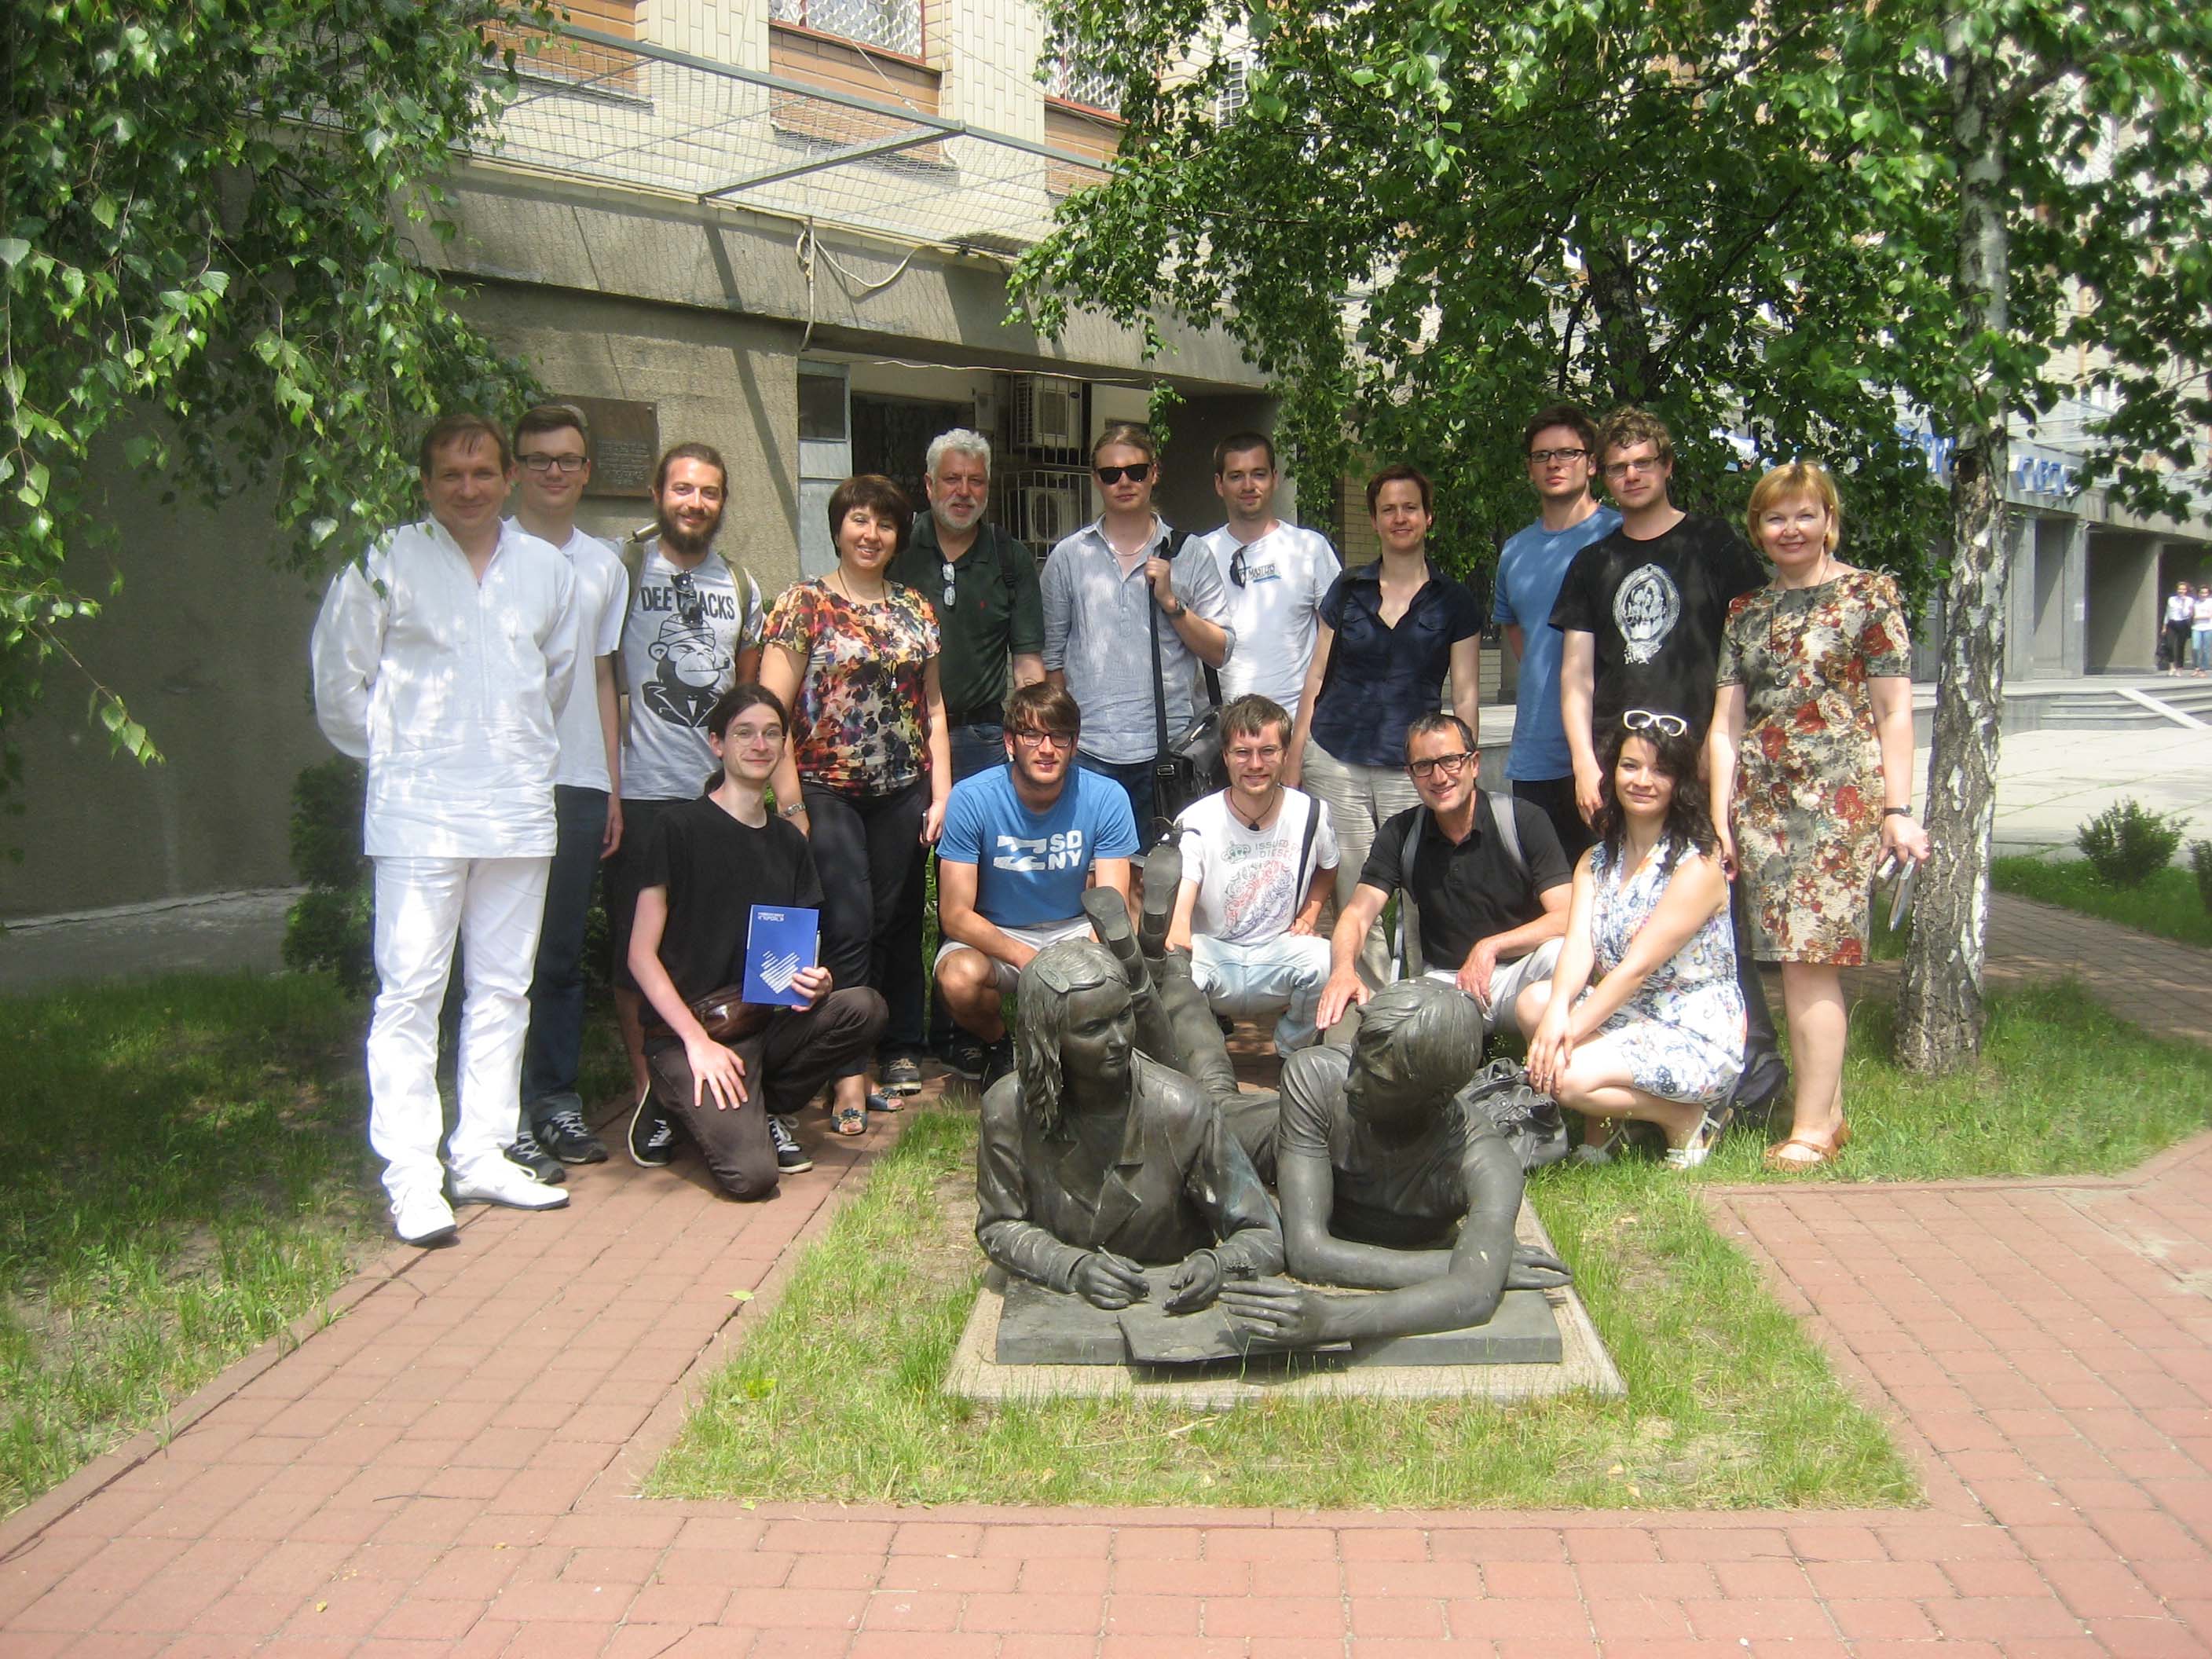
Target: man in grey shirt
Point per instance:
(1105, 588)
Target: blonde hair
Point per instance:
(1789, 482)
(1130, 435)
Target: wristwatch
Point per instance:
(1179, 611)
(1897, 811)
(794, 808)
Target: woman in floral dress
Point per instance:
(1810, 764)
(854, 656)
(1659, 1032)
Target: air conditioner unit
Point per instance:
(1047, 513)
(1047, 412)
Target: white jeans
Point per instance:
(1280, 975)
(493, 907)
(1360, 799)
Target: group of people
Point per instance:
(534, 705)
(2187, 644)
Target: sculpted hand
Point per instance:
(1340, 993)
(1536, 1270)
(1106, 1280)
(1196, 1283)
(1287, 1314)
(714, 1071)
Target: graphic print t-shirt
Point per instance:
(1031, 867)
(1655, 609)
(1248, 884)
(860, 726)
(679, 649)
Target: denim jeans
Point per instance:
(1280, 975)
(1135, 778)
(551, 1052)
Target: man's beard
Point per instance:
(945, 520)
(676, 538)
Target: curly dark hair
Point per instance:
(1689, 821)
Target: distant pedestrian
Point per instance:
(443, 661)
(2180, 622)
(2201, 635)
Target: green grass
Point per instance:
(836, 1396)
(182, 1173)
(2169, 904)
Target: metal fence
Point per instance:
(597, 107)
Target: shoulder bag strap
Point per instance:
(1305, 851)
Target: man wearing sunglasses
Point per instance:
(1109, 590)
(691, 631)
(1488, 908)
(1560, 444)
(1277, 575)
(1021, 843)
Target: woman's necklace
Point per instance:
(845, 586)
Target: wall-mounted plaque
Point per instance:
(625, 445)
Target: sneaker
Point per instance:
(652, 1136)
(1001, 1060)
(525, 1153)
(495, 1181)
(791, 1158)
(902, 1077)
(564, 1134)
(422, 1217)
(966, 1056)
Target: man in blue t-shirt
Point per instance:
(1021, 843)
(1561, 445)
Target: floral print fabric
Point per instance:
(861, 725)
(1807, 815)
(1683, 1031)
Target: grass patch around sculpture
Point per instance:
(2169, 904)
(837, 1395)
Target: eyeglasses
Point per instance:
(1645, 719)
(1622, 469)
(1136, 472)
(689, 605)
(555, 462)
(948, 591)
(1450, 765)
(1237, 567)
(1546, 456)
(754, 737)
(1039, 740)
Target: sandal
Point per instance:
(848, 1120)
(880, 1102)
(1820, 1155)
(1707, 1135)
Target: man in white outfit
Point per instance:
(442, 660)
(1275, 575)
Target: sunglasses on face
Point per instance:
(1136, 472)
(1646, 719)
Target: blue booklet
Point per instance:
(779, 942)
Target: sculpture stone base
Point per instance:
(1023, 1342)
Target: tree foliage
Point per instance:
(212, 243)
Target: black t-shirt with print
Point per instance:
(715, 870)
(1656, 610)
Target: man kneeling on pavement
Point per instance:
(1483, 887)
(711, 860)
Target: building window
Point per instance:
(893, 25)
(1072, 80)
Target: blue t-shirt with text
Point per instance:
(1530, 567)
(1031, 867)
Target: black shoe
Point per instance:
(525, 1153)
(790, 1157)
(902, 1077)
(966, 1056)
(651, 1137)
(564, 1134)
(998, 1061)
(1766, 1080)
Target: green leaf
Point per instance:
(13, 251)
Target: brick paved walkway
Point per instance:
(448, 1469)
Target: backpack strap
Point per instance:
(1409, 912)
(1305, 851)
(1509, 830)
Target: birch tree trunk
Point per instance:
(1939, 1011)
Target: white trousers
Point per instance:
(1508, 980)
(493, 908)
(1280, 975)
(1360, 799)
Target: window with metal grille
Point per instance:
(1067, 76)
(894, 25)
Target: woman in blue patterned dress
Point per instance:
(1644, 1018)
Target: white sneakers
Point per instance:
(495, 1181)
(421, 1215)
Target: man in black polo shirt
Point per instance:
(990, 629)
(1484, 910)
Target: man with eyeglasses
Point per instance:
(553, 459)
(692, 629)
(1111, 590)
(990, 629)
(1485, 891)
(1560, 443)
(1021, 844)
(1277, 575)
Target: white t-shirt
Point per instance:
(1247, 887)
(2204, 611)
(680, 644)
(602, 590)
(1277, 612)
